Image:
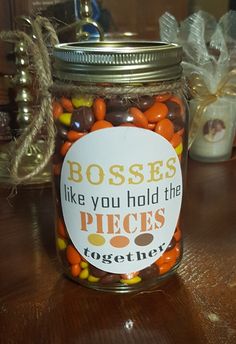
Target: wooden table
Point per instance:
(197, 305)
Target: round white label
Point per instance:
(121, 193)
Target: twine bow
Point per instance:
(37, 51)
(201, 93)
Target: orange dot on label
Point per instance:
(144, 239)
(119, 241)
(96, 239)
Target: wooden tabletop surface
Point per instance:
(197, 305)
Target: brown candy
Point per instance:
(61, 130)
(82, 119)
(110, 278)
(178, 124)
(173, 110)
(144, 102)
(58, 143)
(118, 103)
(150, 272)
(119, 117)
(96, 272)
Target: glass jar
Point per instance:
(119, 162)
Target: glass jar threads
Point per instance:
(119, 162)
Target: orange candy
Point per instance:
(165, 267)
(75, 270)
(101, 125)
(163, 97)
(127, 125)
(61, 229)
(177, 250)
(65, 147)
(176, 140)
(99, 108)
(67, 104)
(177, 234)
(156, 112)
(160, 260)
(72, 255)
(151, 126)
(73, 135)
(57, 109)
(165, 128)
(169, 256)
(139, 119)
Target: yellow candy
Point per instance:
(61, 244)
(82, 101)
(179, 149)
(65, 118)
(93, 279)
(84, 265)
(134, 280)
(84, 274)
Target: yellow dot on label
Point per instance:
(96, 239)
(119, 241)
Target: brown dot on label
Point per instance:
(119, 241)
(144, 239)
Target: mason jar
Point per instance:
(119, 162)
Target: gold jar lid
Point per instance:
(117, 62)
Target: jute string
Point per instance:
(204, 97)
(39, 56)
(62, 89)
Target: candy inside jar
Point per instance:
(118, 162)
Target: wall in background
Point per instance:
(215, 7)
(138, 16)
(141, 16)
